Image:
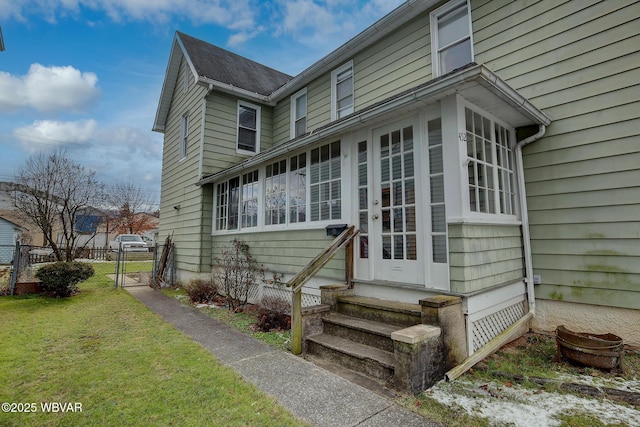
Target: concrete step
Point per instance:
(376, 363)
(383, 388)
(381, 311)
(362, 331)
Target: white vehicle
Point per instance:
(129, 243)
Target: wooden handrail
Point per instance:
(310, 270)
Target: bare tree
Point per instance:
(56, 193)
(130, 203)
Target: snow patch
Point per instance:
(522, 407)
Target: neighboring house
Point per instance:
(423, 131)
(9, 235)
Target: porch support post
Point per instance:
(296, 322)
(348, 263)
(445, 311)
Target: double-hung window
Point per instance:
(451, 38)
(184, 134)
(342, 91)
(299, 114)
(490, 165)
(248, 141)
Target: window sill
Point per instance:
(506, 220)
(316, 225)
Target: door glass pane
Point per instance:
(398, 220)
(411, 247)
(386, 220)
(409, 192)
(410, 217)
(398, 247)
(386, 247)
(397, 193)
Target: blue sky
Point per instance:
(86, 75)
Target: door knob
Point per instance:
(375, 216)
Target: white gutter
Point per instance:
(235, 90)
(522, 325)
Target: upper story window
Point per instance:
(248, 128)
(451, 39)
(184, 133)
(342, 91)
(299, 114)
(490, 165)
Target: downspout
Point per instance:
(518, 328)
(524, 215)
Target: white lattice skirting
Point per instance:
(485, 329)
(260, 290)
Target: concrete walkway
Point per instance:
(309, 392)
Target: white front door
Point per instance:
(396, 242)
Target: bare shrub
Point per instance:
(201, 291)
(234, 273)
(273, 314)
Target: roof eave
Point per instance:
(235, 90)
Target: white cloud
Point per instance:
(51, 134)
(233, 14)
(329, 23)
(49, 89)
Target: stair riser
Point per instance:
(367, 366)
(359, 336)
(379, 315)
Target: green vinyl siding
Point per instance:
(220, 133)
(179, 176)
(579, 62)
(396, 63)
(286, 252)
(483, 256)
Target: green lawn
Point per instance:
(125, 366)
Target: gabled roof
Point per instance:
(223, 70)
(216, 64)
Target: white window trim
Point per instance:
(258, 126)
(334, 82)
(345, 184)
(293, 118)
(434, 17)
(184, 135)
(485, 217)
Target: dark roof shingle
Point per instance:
(226, 67)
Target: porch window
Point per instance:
(342, 91)
(275, 198)
(299, 114)
(250, 197)
(248, 141)
(237, 202)
(325, 203)
(489, 165)
(298, 188)
(451, 40)
(363, 201)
